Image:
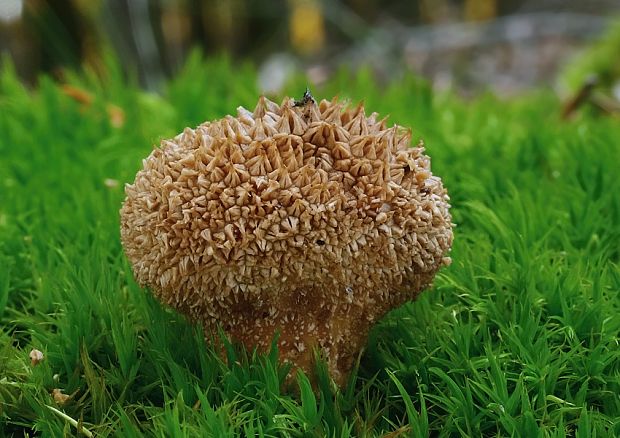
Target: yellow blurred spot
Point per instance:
(306, 26)
(480, 10)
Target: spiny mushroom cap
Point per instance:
(312, 221)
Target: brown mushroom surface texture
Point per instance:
(309, 220)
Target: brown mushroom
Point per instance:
(311, 220)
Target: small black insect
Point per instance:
(320, 242)
(306, 99)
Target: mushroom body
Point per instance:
(310, 220)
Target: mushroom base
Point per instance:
(338, 332)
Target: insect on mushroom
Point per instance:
(305, 99)
(295, 219)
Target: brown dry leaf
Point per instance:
(59, 397)
(77, 94)
(116, 115)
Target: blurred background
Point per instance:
(505, 46)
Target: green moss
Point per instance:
(519, 337)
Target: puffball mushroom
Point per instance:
(304, 219)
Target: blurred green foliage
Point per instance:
(601, 59)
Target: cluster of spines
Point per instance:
(268, 204)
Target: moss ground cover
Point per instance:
(518, 337)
